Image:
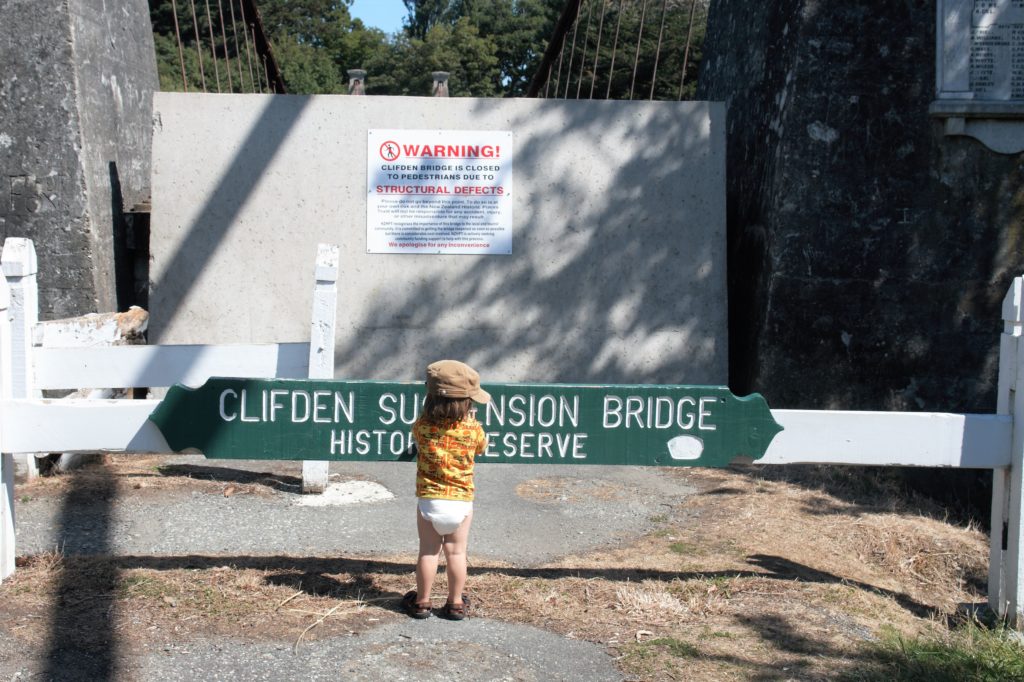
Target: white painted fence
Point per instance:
(27, 424)
(35, 357)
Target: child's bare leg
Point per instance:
(455, 545)
(426, 564)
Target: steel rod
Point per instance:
(266, 74)
(657, 51)
(561, 56)
(586, 41)
(224, 44)
(238, 52)
(615, 45)
(181, 53)
(686, 50)
(248, 50)
(199, 44)
(639, 37)
(572, 50)
(597, 50)
(565, 19)
(213, 44)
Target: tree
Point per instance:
(574, 68)
(520, 31)
(314, 43)
(425, 14)
(318, 23)
(458, 49)
(490, 47)
(307, 69)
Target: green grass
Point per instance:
(648, 650)
(970, 653)
(676, 647)
(683, 547)
(719, 633)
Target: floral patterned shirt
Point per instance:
(444, 465)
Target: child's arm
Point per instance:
(481, 444)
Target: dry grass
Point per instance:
(153, 474)
(564, 489)
(756, 577)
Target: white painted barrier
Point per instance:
(20, 267)
(27, 424)
(36, 357)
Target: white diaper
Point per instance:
(445, 515)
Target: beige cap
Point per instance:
(454, 379)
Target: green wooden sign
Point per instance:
(647, 425)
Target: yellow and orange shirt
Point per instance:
(444, 465)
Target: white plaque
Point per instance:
(997, 49)
(439, 191)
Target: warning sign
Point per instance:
(439, 191)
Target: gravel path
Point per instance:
(427, 651)
(591, 507)
(524, 515)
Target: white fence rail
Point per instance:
(27, 424)
(156, 366)
(36, 357)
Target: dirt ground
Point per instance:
(765, 574)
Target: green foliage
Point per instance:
(195, 55)
(306, 69)
(490, 48)
(620, 71)
(426, 14)
(971, 652)
(405, 68)
(317, 23)
(520, 32)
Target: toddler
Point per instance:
(448, 438)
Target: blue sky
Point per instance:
(386, 15)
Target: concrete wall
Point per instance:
(869, 254)
(618, 265)
(75, 131)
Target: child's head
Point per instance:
(452, 386)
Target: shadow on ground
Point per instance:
(280, 482)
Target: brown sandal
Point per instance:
(414, 609)
(456, 611)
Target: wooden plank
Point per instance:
(152, 366)
(926, 439)
(79, 425)
(94, 329)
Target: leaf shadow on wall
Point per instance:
(617, 272)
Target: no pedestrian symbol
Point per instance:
(389, 151)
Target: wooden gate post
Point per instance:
(321, 345)
(20, 267)
(1005, 582)
(6, 459)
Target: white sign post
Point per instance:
(439, 191)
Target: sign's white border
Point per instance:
(439, 191)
